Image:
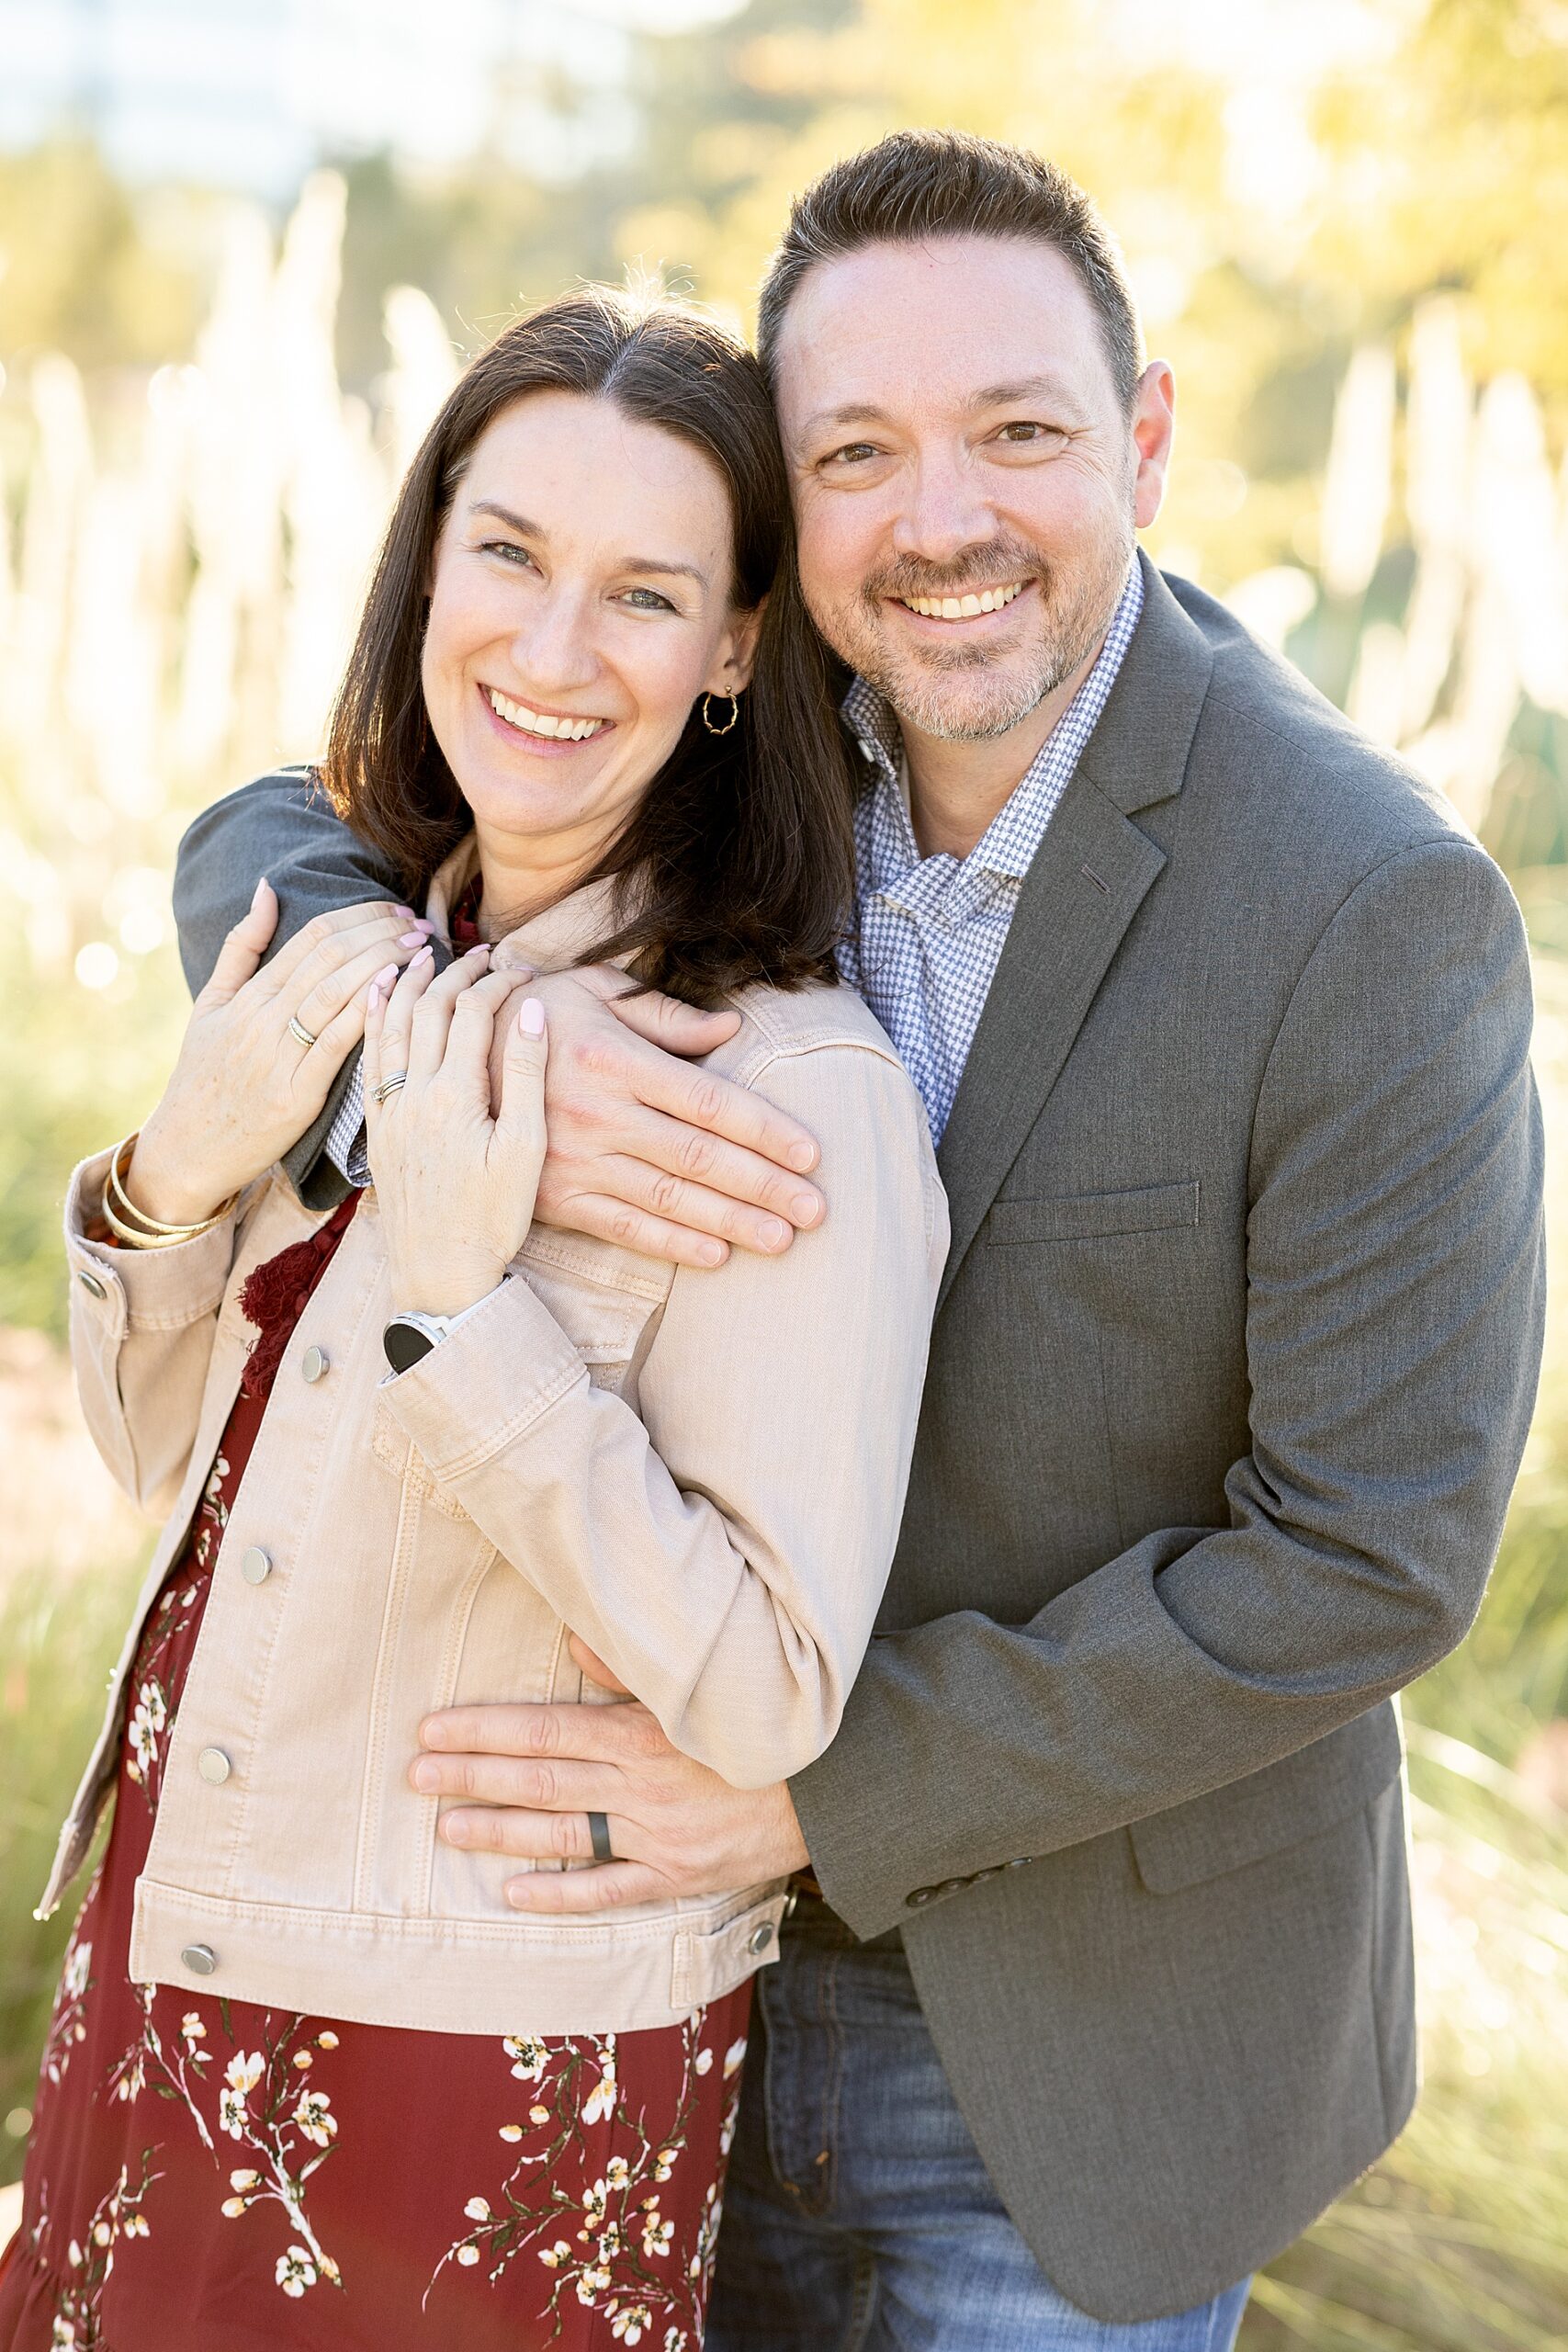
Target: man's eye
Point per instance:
(1025, 429)
(647, 600)
(853, 453)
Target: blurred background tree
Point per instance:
(229, 304)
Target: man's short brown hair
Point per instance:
(916, 185)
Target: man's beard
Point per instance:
(969, 693)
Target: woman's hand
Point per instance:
(455, 1186)
(245, 1087)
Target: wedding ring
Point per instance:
(390, 1085)
(599, 1830)
(297, 1029)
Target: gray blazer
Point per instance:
(1231, 1372)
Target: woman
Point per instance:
(309, 2080)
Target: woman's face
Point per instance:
(579, 604)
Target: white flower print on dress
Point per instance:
(315, 2118)
(242, 2073)
(117, 2216)
(66, 2029)
(617, 2262)
(296, 2271)
(529, 2057)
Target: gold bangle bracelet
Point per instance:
(145, 1232)
(153, 1224)
(129, 1233)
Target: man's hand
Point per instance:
(645, 1150)
(532, 1775)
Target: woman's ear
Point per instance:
(736, 655)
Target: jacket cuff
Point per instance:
(503, 1368)
(147, 1290)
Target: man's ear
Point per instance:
(736, 656)
(1154, 423)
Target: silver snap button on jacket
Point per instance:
(760, 1939)
(214, 1766)
(315, 1363)
(256, 1565)
(91, 1283)
(200, 1959)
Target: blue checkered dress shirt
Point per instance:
(932, 930)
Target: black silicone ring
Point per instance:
(599, 1830)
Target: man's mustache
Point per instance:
(997, 564)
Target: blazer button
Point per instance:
(760, 1939)
(90, 1284)
(214, 1766)
(200, 1959)
(256, 1566)
(315, 1363)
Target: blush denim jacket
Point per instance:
(700, 1472)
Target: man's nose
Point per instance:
(943, 512)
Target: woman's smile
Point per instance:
(545, 732)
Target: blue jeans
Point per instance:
(858, 2215)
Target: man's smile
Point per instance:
(965, 607)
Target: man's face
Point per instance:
(966, 479)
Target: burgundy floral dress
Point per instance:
(212, 2175)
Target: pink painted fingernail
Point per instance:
(412, 939)
(481, 949)
(407, 913)
(531, 1020)
(426, 954)
(386, 976)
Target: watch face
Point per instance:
(405, 1343)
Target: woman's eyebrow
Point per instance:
(519, 522)
(527, 530)
(670, 571)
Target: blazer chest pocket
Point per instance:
(1149, 1208)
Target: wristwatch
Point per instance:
(408, 1339)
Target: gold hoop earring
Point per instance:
(734, 702)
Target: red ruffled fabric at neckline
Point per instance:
(278, 1294)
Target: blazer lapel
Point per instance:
(1089, 878)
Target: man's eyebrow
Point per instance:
(527, 530)
(1055, 388)
(852, 413)
(1052, 388)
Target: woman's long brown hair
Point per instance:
(741, 849)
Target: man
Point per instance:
(1221, 1021)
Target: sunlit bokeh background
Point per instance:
(244, 244)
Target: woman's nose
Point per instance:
(554, 647)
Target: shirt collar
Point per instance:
(1009, 843)
(551, 940)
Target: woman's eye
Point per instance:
(853, 453)
(507, 549)
(647, 600)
